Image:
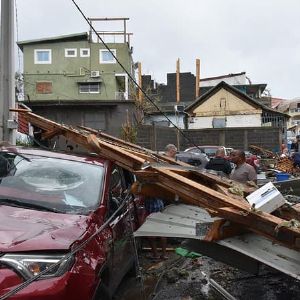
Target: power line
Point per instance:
(131, 77)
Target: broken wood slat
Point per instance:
(194, 189)
(152, 190)
(229, 208)
(131, 147)
(112, 152)
(51, 133)
(289, 212)
(222, 229)
(114, 139)
(191, 191)
(225, 191)
(20, 110)
(264, 224)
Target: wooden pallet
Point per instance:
(163, 176)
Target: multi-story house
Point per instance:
(176, 111)
(292, 108)
(75, 79)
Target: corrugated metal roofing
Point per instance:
(72, 37)
(180, 221)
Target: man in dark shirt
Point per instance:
(295, 144)
(219, 163)
(296, 159)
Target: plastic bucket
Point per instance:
(282, 176)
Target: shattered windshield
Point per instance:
(56, 184)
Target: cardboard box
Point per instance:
(267, 198)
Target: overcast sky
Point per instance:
(261, 37)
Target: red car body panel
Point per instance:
(30, 230)
(25, 230)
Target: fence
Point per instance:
(157, 137)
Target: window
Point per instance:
(89, 88)
(84, 52)
(42, 56)
(219, 122)
(223, 103)
(65, 186)
(43, 87)
(106, 57)
(70, 52)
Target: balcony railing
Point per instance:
(295, 110)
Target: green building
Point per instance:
(71, 67)
(74, 79)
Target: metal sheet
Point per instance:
(180, 221)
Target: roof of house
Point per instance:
(69, 37)
(167, 107)
(276, 102)
(234, 91)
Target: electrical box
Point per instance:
(267, 198)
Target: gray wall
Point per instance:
(100, 116)
(156, 138)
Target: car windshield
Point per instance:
(49, 183)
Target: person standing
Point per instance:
(243, 172)
(219, 163)
(295, 144)
(154, 205)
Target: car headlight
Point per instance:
(31, 265)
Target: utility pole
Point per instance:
(197, 77)
(8, 124)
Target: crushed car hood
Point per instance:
(31, 230)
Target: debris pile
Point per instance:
(262, 152)
(285, 164)
(161, 175)
(273, 160)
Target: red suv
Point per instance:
(52, 210)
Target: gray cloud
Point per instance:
(260, 37)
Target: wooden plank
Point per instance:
(51, 134)
(198, 189)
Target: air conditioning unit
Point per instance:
(95, 74)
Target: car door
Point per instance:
(122, 252)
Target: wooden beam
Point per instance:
(178, 80)
(192, 189)
(197, 77)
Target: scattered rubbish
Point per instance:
(186, 253)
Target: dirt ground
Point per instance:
(187, 278)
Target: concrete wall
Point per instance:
(231, 121)
(66, 72)
(156, 138)
(108, 118)
(177, 120)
